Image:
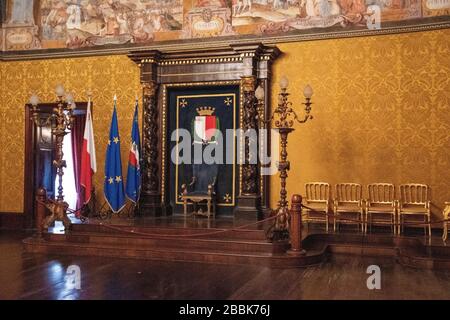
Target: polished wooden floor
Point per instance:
(31, 276)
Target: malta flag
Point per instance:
(88, 160)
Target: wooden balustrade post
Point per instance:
(41, 197)
(296, 226)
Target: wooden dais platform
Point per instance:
(226, 243)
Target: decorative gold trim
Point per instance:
(163, 144)
(193, 61)
(241, 143)
(248, 83)
(196, 73)
(164, 117)
(193, 45)
(263, 150)
(149, 88)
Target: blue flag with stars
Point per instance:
(113, 186)
(133, 187)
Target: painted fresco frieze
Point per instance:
(73, 24)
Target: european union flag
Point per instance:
(113, 186)
(134, 170)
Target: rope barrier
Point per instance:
(73, 211)
(165, 235)
(55, 202)
(187, 235)
(334, 216)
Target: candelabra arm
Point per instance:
(43, 122)
(308, 116)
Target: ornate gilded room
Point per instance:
(224, 150)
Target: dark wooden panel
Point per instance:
(11, 221)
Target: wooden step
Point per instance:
(180, 242)
(152, 244)
(34, 245)
(210, 233)
(417, 259)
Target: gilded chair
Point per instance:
(446, 215)
(348, 202)
(318, 199)
(415, 201)
(201, 189)
(381, 206)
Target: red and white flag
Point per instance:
(88, 160)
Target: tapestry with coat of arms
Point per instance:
(205, 112)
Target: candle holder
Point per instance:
(283, 117)
(60, 121)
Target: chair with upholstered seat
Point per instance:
(381, 206)
(201, 189)
(415, 201)
(348, 202)
(318, 201)
(446, 215)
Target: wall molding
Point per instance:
(416, 25)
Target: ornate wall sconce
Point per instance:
(283, 117)
(60, 121)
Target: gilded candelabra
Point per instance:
(283, 117)
(61, 121)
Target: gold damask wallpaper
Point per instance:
(381, 110)
(105, 76)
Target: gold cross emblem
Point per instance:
(183, 103)
(227, 198)
(228, 101)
